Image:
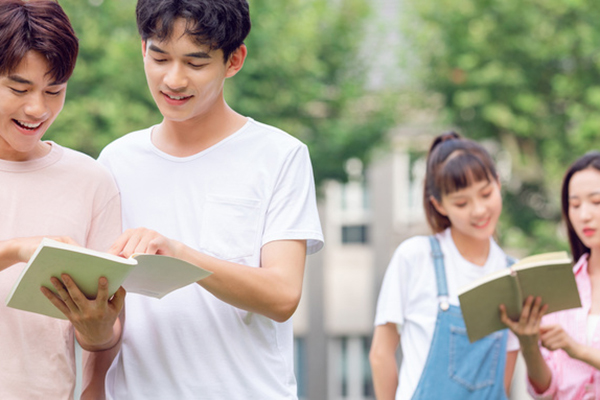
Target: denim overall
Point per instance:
(455, 368)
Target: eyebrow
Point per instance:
(19, 79)
(574, 196)
(197, 54)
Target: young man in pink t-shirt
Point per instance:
(47, 190)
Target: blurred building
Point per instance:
(364, 220)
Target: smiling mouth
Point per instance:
(28, 125)
(481, 224)
(176, 97)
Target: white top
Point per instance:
(64, 193)
(227, 201)
(408, 298)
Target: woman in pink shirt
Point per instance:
(567, 364)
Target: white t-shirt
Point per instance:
(227, 201)
(408, 298)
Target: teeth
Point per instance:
(28, 125)
(176, 97)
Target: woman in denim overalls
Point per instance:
(418, 301)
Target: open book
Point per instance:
(147, 274)
(549, 276)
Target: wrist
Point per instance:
(529, 345)
(576, 351)
(12, 251)
(96, 345)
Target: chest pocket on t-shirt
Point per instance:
(229, 226)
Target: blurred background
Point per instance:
(366, 84)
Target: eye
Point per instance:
(460, 205)
(487, 194)
(17, 91)
(159, 60)
(51, 93)
(197, 66)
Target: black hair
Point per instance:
(41, 26)
(589, 160)
(453, 163)
(220, 24)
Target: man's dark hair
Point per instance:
(220, 24)
(41, 26)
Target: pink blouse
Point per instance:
(572, 379)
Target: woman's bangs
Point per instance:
(460, 172)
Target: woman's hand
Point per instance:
(527, 328)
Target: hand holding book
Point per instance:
(548, 276)
(147, 274)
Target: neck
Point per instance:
(594, 262)
(9, 154)
(189, 137)
(472, 249)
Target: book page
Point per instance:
(559, 257)
(157, 275)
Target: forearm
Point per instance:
(95, 366)
(588, 355)
(270, 291)
(9, 254)
(385, 377)
(539, 374)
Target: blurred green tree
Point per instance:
(525, 73)
(304, 74)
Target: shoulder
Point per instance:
(271, 137)
(415, 246)
(126, 142)
(412, 252)
(79, 163)
(83, 174)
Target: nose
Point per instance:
(37, 106)
(584, 211)
(175, 78)
(478, 208)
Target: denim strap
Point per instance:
(440, 272)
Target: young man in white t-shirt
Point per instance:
(224, 192)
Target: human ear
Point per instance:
(438, 207)
(236, 61)
(144, 43)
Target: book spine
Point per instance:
(520, 298)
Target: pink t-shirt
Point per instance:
(64, 193)
(572, 379)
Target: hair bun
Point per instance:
(444, 137)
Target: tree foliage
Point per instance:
(302, 74)
(527, 74)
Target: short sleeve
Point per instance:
(105, 227)
(512, 343)
(391, 301)
(292, 212)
